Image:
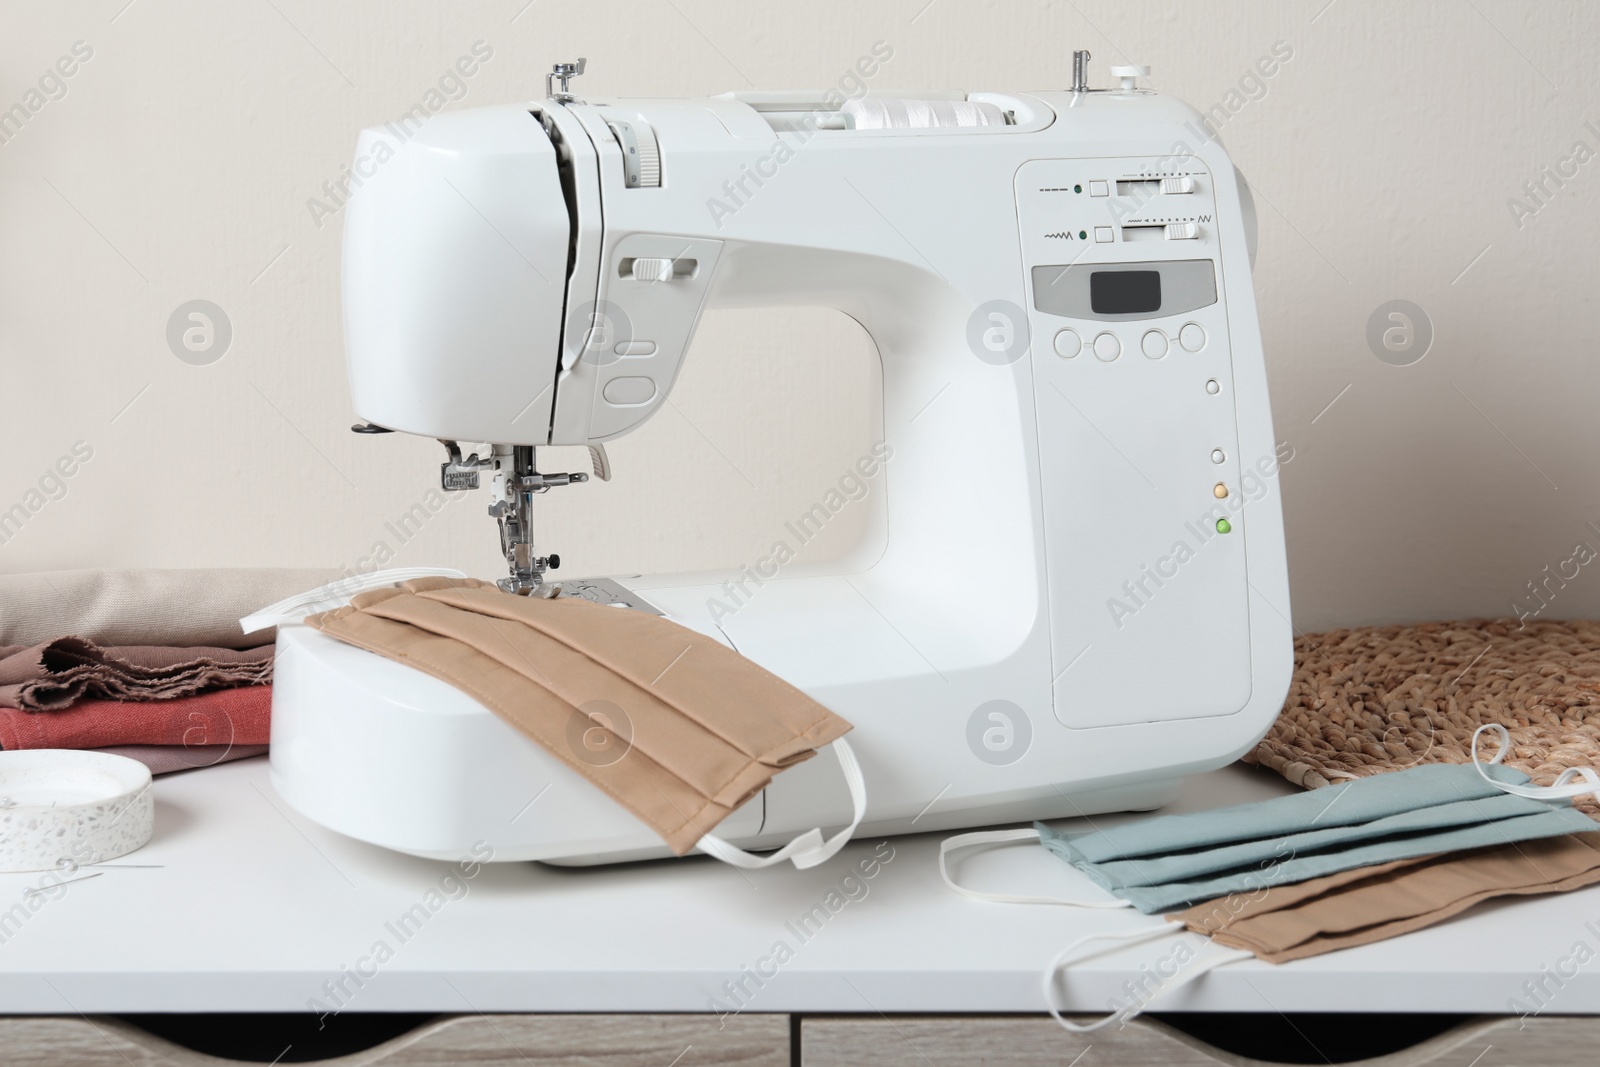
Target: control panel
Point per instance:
(1138, 440)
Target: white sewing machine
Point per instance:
(1063, 608)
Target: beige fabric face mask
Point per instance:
(1291, 922)
(676, 727)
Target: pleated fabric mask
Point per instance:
(1178, 860)
(1280, 923)
(1344, 865)
(705, 729)
(1292, 922)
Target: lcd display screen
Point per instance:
(1125, 292)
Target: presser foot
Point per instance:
(523, 585)
(519, 587)
(517, 482)
(527, 569)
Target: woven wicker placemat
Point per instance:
(1382, 698)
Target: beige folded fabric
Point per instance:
(673, 725)
(1290, 922)
(57, 674)
(146, 607)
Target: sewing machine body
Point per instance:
(1055, 612)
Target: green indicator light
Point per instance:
(1083, 235)
(1077, 188)
(1224, 526)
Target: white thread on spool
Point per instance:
(895, 113)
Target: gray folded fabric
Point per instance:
(59, 673)
(146, 607)
(164, 759)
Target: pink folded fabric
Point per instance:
(219, 717)
(165, 759)
(57, 674)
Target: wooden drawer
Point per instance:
(542, 1040)
(1036, 1041)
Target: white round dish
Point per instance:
(60, 807)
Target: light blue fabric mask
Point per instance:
(1176, 861)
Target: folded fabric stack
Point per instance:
(146, 664)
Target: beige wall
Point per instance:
(180, 161)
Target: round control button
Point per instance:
(1192, 337)
(1213, 388)
(1218, 456)
(1068, 343)
(1154, 344)
(1107, 347)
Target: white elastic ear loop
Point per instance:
(809, 849)
(1056, 965)
(337, 594)
(1002, 837)
(1565, 785)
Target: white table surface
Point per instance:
(253, 908)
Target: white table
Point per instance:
(253, 908)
